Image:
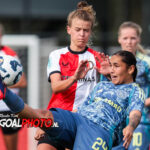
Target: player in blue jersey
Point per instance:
(102, 117)
(129, 38)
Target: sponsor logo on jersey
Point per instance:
(65, 64)
(86, 79)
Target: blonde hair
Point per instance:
(138, 29)
(84, 12)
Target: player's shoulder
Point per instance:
(92, 51)
(135, 85)
(59, 51)
(143, 58)
(137, 88)
(8, 51)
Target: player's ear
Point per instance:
(68, 29)
(131, 69)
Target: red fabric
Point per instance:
(68, 63)
(8, 51)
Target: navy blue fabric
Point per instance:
(13, 101)
(76, 132)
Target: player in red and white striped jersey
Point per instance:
(10, 133)
(69, 91)
(70, 70)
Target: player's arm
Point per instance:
(17, 106)
(147, 102)
(28, 112)
(59, 85)
(134, 120)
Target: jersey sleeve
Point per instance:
(136, 102)
(53, 64)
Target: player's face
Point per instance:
(120, 72)
(79, 32)
(128, 39)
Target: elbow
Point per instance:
(57, 90)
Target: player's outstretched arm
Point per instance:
(30, 113)
(17, 106)
(134, 120)
(59, 85)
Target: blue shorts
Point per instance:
(119, 147)
(76, 132)
(141, 138)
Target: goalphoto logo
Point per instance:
(10, 122)
(42, 122)
(16, 122)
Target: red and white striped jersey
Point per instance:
(8, 51)
(65, 61)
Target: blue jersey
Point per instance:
(143, 79)
(108, 105)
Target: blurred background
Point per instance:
(47, 18)
(34, 28)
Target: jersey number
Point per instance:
(98, 143)
(137, 139)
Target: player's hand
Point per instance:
(82, 70)
(128, 134)
(147, 102)
(2, 89)
(40, 134)
(104, 63)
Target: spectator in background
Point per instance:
(10, 134)
(71, 80)
(129, 37)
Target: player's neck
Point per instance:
(77, 49)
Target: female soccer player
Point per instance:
(102, 117)
(129, 38)
(71, 81)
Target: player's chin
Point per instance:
(114, 81)
(81, 44)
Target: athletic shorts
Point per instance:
(141, 138)
(7, 115)
(119, 147)
(73, 131)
